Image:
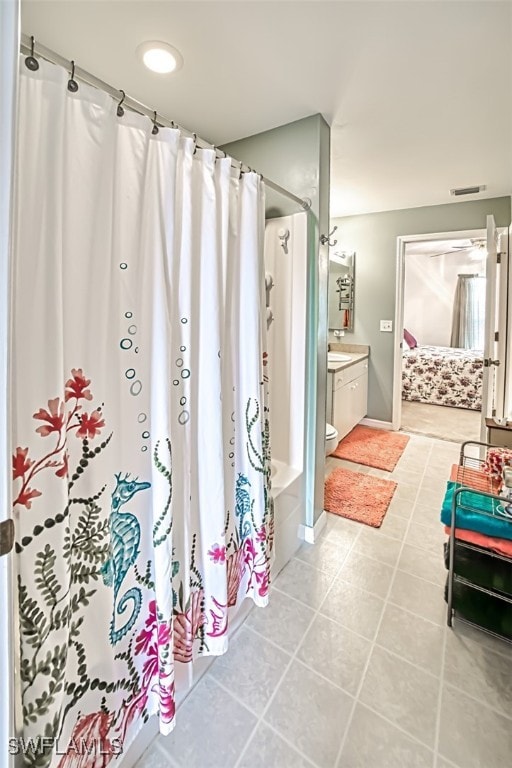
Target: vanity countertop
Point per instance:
(355, 357)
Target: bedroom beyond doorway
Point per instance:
(444, 323)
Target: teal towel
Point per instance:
(470, 505)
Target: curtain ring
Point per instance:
(154, 130)
(31, 62)
(72, 84)
(241, 171)
(120, 110)
(194, 136)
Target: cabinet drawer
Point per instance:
(349, 374)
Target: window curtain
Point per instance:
(141, 454)
(468, 319)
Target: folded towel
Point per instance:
(470, 506)
(501, 546)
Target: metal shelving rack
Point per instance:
(472, 480)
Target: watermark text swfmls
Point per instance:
(39, 745)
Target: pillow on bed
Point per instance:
(409, 338)
(405, 344)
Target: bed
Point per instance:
(443, 376)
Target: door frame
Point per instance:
(401, 243)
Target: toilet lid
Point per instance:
(329, 431)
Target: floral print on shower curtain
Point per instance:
(141, 455)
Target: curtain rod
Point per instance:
(30, 46)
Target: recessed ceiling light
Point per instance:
(160, 57)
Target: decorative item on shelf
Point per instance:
(496, 460)
(506, 489)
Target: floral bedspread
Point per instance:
(443, 376)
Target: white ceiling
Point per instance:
(473, 247)
(418, 94)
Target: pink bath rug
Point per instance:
(358, 496)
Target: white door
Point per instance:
(9, 46)
(495, 340)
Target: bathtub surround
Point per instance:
(285, 258)
(140, 424)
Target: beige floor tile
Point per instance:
(367, 573)
(253, 684)
(222, 739)
(354, 608)
(412, 638)
(394, 526)
(423, 563)
(335, 652)
(326, 555)
(419, 596)
(373, 742)
(284, 621)
(373, 543)
(311, 713)
(479, 672)
(402, 693)
(471, 734)
(303, 582)
(267, 749)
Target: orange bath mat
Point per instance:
(377, 448)
(358, 496)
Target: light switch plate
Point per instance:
(386, 325)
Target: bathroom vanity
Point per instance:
(347, 386)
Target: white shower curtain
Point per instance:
(140, 433)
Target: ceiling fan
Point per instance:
(475, 245)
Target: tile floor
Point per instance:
(352, 664)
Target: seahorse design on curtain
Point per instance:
(243, 506)
(124, 549)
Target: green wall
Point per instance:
(374, 238)
(297, 157)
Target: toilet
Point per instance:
(331, 439)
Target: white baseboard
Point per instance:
(311, 533)
(376, 424)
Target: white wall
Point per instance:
(429, 292)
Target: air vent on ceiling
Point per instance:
(468, 190)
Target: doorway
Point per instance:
(443, 302)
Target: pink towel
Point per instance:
(501, 546)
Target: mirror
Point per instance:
(341, 290)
